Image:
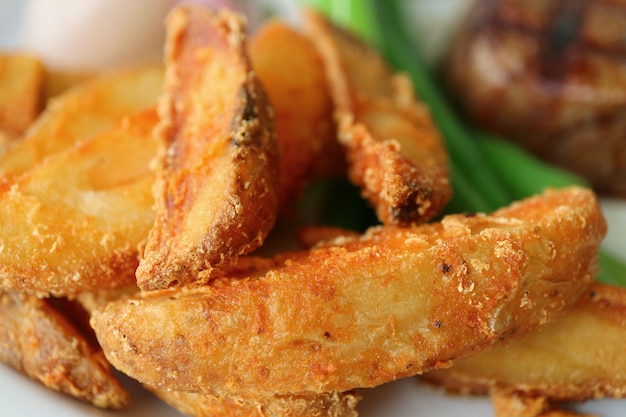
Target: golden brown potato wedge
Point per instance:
(218, 160)
(289, 66)
(515, 404)
(579, 356)
(393, 303)
(40, 342)
(21, 82)
(58, 82)
(297, 405)
(74, 222)
(393, 149)
(85, 110)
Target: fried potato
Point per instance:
(84, 111)
(394, 151)
(40, 342)
(289, 67)
(297, 405)
(579, 356)
(515, 404)
(21, 80)
(58, 82)
(393, 303)
(218, 161)
(74, 222)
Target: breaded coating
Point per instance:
(289, 67)
(88, 109)
(40, 342)
(75, 221)
(296, 405)
(393, 149)
(393, 303)
(217, 167)
(579, 356)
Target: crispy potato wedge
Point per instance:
(40, 342)
(289, 66)
(58, 82)
(514, 404)
(217, 168)
(74, 222)
(393, 303)
(21, 82)
(393, 149)
(297, 405)
(579, 356)
(88, 109)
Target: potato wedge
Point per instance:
(21, 82)
(84, 111)
(393, 303)
(393, 149)
(218, 155)
(579, 356)
(40, 342)
(74, 222)
(290, 69)
(297, 405)
(507, 403)
(58, 82)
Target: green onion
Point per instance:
(522, 173)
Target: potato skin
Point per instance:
(217, 166)
(358, 313)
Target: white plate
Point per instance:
(21, 397)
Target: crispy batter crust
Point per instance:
(394, 303)
(394, 151)
(74, 222)
(579, 356)
(217, 166)
(40, 342)
(300, 405)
